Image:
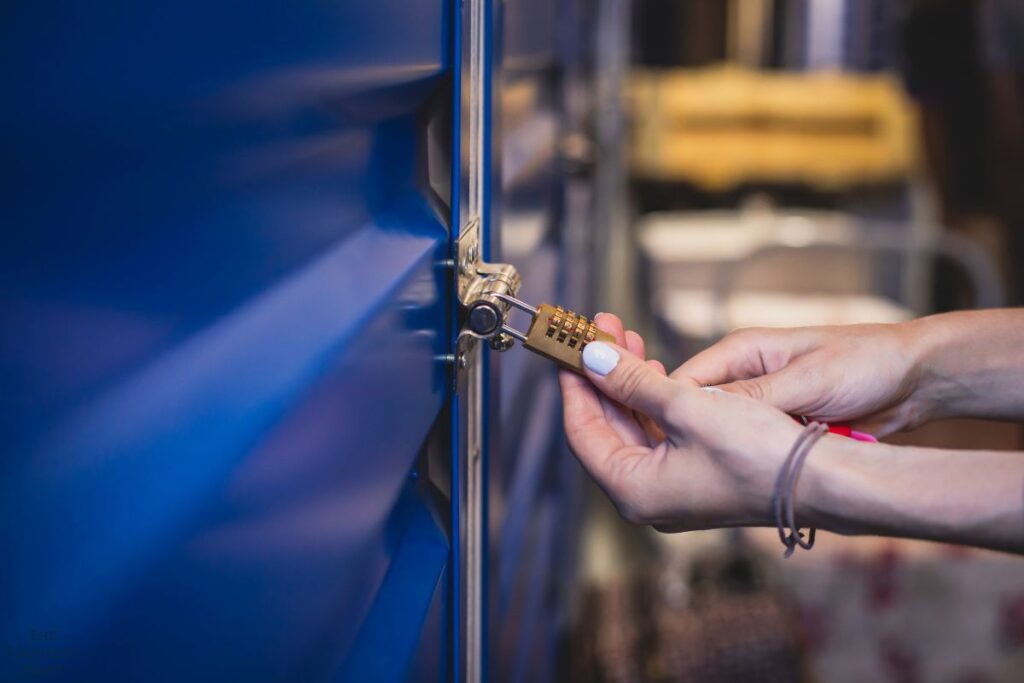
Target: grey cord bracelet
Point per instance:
(785, 485)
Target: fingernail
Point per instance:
(600, 358)
(713, 390)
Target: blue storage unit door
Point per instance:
(223, 418)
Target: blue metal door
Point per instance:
(222, 317)
(237, 444)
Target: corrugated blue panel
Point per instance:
(220, 312)
(385, 647)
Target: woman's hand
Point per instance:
(677, 457)
(867, 375)
(667, 452)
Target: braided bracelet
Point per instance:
(785, 485)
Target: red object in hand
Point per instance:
(843, 429)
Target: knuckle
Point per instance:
(756, 390)
(631, 380)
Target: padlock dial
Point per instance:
(561, 335)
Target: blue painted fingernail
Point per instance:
(600, 358)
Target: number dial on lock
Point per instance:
(561, 335)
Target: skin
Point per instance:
(676, 457)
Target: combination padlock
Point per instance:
(555, 333)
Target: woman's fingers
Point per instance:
(655, 435)
(635, 344)
(629, 381)
(619, 417)
(747, 353)
(632, 429)
(591, 437)
(612, 324)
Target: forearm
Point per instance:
(967, 497)
(969, 364)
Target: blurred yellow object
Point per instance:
(723, 126)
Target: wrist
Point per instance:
(833, 493)
(924, 342)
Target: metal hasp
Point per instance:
(486, 291)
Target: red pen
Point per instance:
(842, 429)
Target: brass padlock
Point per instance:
(556, 333)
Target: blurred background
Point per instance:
(238, 442)
(795, 162)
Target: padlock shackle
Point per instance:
(521, 305)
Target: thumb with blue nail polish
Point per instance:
(600, 358)
(627, 379)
